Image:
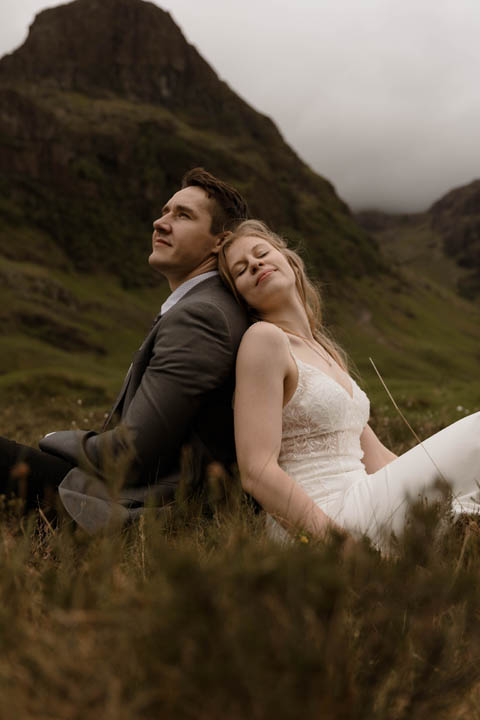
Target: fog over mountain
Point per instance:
(380, 96)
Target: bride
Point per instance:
(304, 447)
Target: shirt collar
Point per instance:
(182, 290)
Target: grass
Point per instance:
(193, 618)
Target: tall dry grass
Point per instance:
(195, 615)
(187, 616)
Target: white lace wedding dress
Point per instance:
(321, 450)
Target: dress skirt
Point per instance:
(377, 505)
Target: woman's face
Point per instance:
(260, 272)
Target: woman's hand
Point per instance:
(375, 454)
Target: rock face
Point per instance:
(457, 217)
(104, 108)
(118, 46)
(127, 48)
(447, 235)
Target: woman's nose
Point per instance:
(256, 264)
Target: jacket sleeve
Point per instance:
(192, 355)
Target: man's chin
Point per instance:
(155, 264)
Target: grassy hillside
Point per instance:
(68, 337)
(425, 342)
(67, 340)
(411, 242)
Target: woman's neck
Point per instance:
(291, 317)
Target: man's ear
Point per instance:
(220, 240)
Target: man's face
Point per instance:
(182, 244)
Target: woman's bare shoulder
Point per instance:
(263, 340)
(264, 333)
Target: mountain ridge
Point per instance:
(443, 241)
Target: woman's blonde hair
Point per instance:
(307, 291)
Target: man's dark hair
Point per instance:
(229, 206)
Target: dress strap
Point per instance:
(289, 345)
(298, 365)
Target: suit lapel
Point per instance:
(128, 376)
(121, 395)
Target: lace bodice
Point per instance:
(321, 426)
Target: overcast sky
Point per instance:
(382, 97)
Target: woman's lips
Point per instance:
(264, 274)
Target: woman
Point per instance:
(305, 449)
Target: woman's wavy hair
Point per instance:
(309, 294)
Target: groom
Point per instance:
(178, 390)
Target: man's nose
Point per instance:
(161, 224)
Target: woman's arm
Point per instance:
(375, 454)
(262, 366)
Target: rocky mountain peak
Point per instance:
(124, 47)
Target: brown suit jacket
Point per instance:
(178, 392)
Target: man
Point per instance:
(179, 387)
